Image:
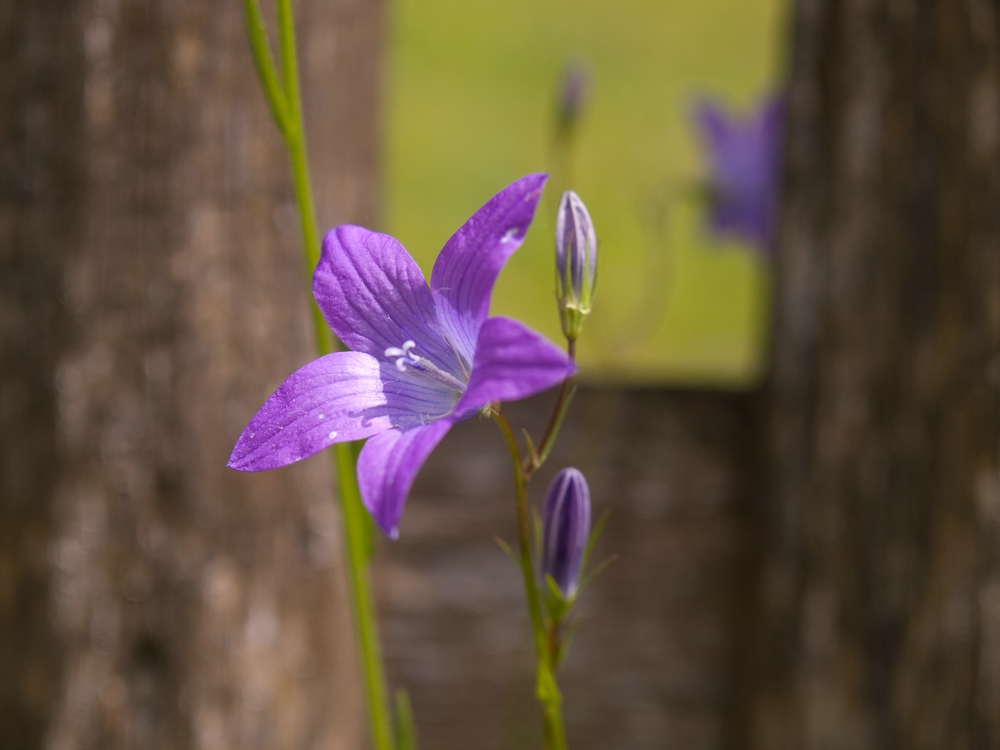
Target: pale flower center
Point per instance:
(405, 357)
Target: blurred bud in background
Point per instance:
(570, 103)
(576, 263)
(574, 90)
(565, 530)
(744, 170)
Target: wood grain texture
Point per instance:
(654, 662)
(880, 593)
(153, 296)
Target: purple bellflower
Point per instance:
(744, 157)
(565, 529)
(422, 357)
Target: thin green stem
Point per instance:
(566, 391)
(286, 106)
(265, 65)
(289, 62)
(356, 535)
(547, 689)
(295, 139)
(555, 733)
(524, 535)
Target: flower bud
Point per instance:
(574, 89)
(576, 263)
(565, 529)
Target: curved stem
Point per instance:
(524, 536)
(566, 391)
(547, 689)
(265, 65)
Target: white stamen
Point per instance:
(404, 356)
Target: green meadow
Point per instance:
(470, 90)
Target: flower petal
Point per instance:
(512, 362)
(713, 122)
(374, 296)
(468, 266)
(413, 400)
(772, 119)
(332, 399)
(387, 466)
(744, 155)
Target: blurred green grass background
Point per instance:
(469, 107)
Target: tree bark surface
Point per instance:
(880, 601)
(152, 295)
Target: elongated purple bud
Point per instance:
(576, 263)
(565, 529)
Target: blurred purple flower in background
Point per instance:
(423, 357)
(744, 162)
(565, 529)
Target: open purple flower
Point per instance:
(744, 156)
(423, 357)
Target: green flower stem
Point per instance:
(262, 59)
(286, 107)
(547, 689)
(533, 462)
(356, 534)
(295, 138)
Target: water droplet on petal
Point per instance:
(333, 435)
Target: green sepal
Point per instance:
(406, 729)
(536, 519)
(555, 603)
(572, 317)
(532, 451)
(595, 533)
(505, 547)
(546, 689)
(567, 640)
(589, 578)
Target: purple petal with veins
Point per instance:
(421, 359)
(512, 362)
(387, 466)
(467, 268)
